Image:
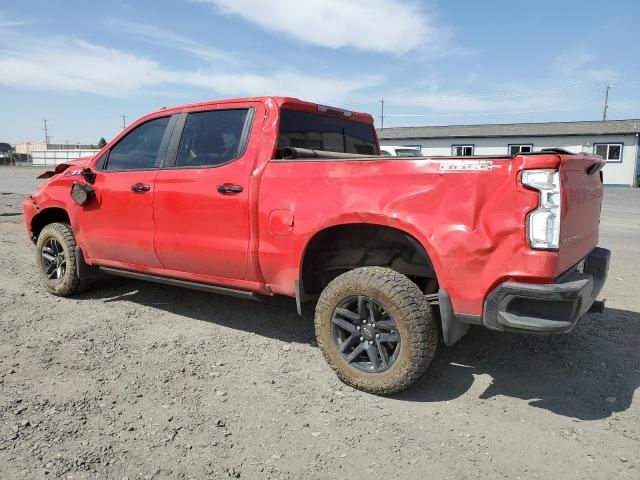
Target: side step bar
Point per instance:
(205, 287)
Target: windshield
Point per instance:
(324, 132)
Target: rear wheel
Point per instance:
(55, 257)
(376, 329)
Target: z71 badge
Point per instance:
(467, 165)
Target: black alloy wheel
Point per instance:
(54, 263)
(365, 334)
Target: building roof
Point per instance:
(513, 130)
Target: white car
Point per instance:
(400, 151)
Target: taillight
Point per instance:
(544, 222)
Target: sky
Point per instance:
(82, 65)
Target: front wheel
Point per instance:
(376, 329)
(56, 261)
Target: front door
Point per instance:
(201, 201)
(117, 226)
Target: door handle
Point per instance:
(140, 187)
(229, 188)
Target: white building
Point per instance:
(28, 147)
(617, 141)
(54, 157)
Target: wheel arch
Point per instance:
(366, 243)
(45, 217)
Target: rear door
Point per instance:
(118, 227)
(202, 197)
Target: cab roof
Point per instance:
(279, 102)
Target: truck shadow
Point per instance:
(588, 374)
(273, 317)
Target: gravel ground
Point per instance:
(137, 380)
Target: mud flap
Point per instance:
(452, 328)
(302, 297)
(84, 271)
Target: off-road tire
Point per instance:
(70, 282)
(406, 304)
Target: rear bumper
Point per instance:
(548, 308)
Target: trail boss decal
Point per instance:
(467, 166)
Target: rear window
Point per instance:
(323, 132)
(408, 152)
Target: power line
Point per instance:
(514, 94)
(504, 95)
(574, 88)
(507, 112)
(623, 104)
(479, 114)
(625, 84)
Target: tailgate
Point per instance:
(581, 187)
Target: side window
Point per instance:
(462, 150)
(139, 148)
(212, 138)
(611, 152)
(100, 163)
(516, 149)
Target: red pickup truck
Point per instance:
(270, 195)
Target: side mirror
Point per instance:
(88, 175)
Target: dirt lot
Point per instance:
(136, 380)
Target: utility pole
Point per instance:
(382, 114)
(124, 121)
(46, 132)
(606, 103)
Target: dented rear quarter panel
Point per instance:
(472, 223)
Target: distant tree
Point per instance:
(102, 142)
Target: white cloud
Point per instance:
(73, 65)
(14, 23)
(583, 64)
(287, 83)
(6, 22)
(386, 26)
(169, 39)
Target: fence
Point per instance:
(15, 159)
(54, 157)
